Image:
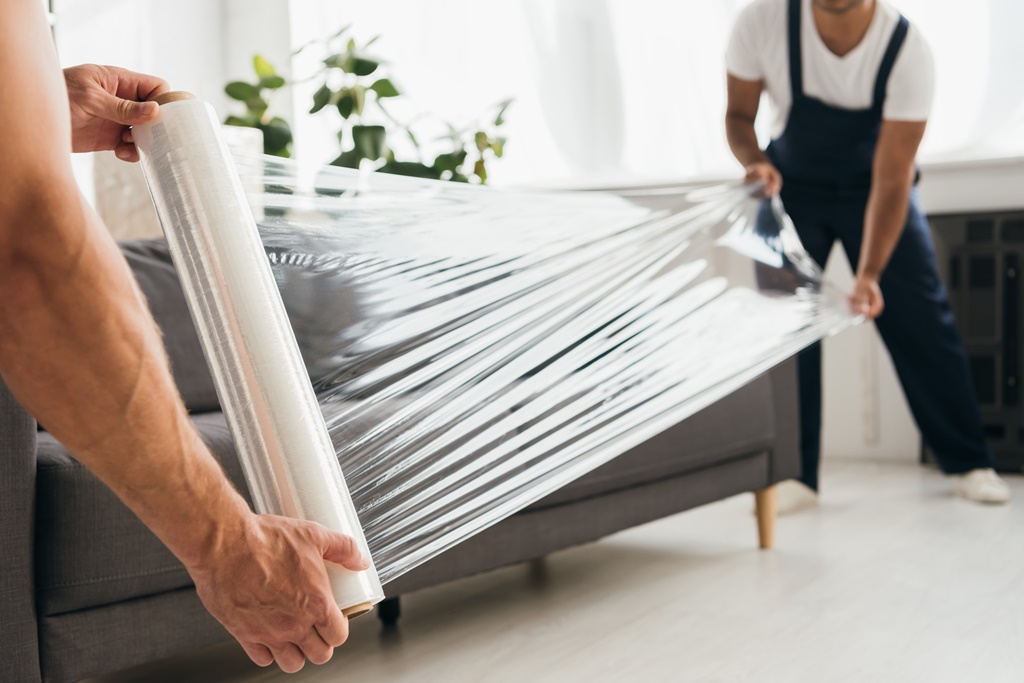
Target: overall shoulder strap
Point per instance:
(796, 70)
(885, 70)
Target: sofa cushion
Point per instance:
(740, 425)
(91, 550)
(150, 261)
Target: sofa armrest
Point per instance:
(785, 462)
(18, 631)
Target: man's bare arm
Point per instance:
(80, 351)
(744, 99)
(891, 181)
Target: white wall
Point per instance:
(196, 45)
(178, 41)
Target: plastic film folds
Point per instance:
(470, 350)
(474, 350)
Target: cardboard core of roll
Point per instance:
(357, 610)
(173, 96)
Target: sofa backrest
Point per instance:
(150, 260)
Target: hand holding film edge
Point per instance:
(287, 456)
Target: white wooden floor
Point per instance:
(892, 579)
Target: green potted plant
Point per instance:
(277, 133)
(356, 83)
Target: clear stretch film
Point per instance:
(287, 456)
(475, 350)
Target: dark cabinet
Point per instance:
(980, 256)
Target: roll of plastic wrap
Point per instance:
(286, 453)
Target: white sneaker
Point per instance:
(793, 496)
(983, 486)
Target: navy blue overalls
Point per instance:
(825, 155)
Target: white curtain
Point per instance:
(576, 66)
(633, 91)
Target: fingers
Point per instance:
(136, 86)
(876, 307)
(333, 627)
(343, 550)
(126, 151)
(259, 654)
(772, 180)
(767, 175)
(867, 303)
(758, 187)
(314, 648)
(127, 112)
(288, 657)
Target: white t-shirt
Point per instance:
(759, 51)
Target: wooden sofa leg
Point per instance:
(764, 506)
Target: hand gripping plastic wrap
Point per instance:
(470, 350)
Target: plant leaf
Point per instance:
(335, 61)
(413, 169)
(277, 135)
(480, 169)
(498, 147)
(349, 159)
(320, 98)
(358, 98)
(451, 161)
(371, 41)
(257, 105)
(370, 141)
(272, 82)
(385, 88)
(502, 106)
(364, 66)
(346, 105)
(239, 121)
(481, 140)
(238, 90)
(264, 69)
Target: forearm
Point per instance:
(885, 217)
(739, 131)
(81, 352)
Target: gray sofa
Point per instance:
(86, 589)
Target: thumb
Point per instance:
(343, 550)
(127, 112)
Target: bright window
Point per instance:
(612, 91)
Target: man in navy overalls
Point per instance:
(857, 79)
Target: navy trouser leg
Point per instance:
(918, 330)
(811, 221)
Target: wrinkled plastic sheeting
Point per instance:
(474, 350)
